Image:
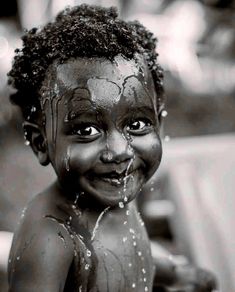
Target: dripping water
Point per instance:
(97, 222)
(67, 159)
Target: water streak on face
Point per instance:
(106, 123)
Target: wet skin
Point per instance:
(101, 137)
(103, 132)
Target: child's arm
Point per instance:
(40, 259)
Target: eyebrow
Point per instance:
(76, 113)
(143, 109)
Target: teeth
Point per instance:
(116, 181)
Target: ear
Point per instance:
(36, 136)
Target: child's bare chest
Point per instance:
(116, 257)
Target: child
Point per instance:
(90, 91)
(91, 94)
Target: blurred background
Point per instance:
(189, 205)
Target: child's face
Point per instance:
(102, 127)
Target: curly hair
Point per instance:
(81, 31)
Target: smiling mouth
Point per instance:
(114, 178)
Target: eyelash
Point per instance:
(137, 127)
(84, 127)
(133, 128)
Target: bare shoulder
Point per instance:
(42, 250)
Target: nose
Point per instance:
(118, 148)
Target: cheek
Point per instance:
(149, 149)
(83, 156)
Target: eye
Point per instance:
(87, 131)
(139, 127)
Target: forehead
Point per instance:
(102, 82)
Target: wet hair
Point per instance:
(81, 31)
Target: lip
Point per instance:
(114, 178)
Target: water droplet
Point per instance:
(130, 264)
(139, 253)
(76, 199)
(164, 113)
(133, 285)
(167, 138)
(27, 143)
(152, 189)
(125, 199)
(98, 222)
(146, 288)
(124, 239)
(86, 266)
(88, 253)
(121, 205)
(33, 109)
(127, 212)
(143, 271)
(131, 230)
(17, 258)
(145, 279)
(125, 222)
(23, 212)
(134, 243)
